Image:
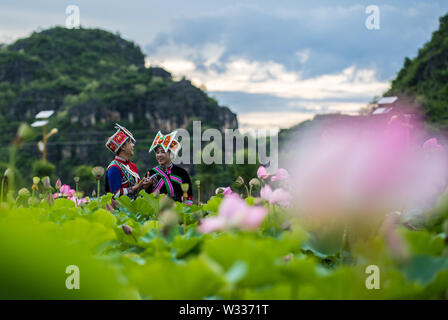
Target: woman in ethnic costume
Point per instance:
(122, 176)
(167, 178)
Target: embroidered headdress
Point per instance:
(115, 142)
(167, 142)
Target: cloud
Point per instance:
(314, 40)
(270, 120)
(303, 55)
(255, 89)
(274, 79)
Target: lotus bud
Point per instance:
(93, 194)
(98, 172)
(198, 183)
(25, 132)
(76, 179)
(287, 257)
(114, 203)
(258, 201)
(46, 182)
(169, 218)
(24, 193)
(58, 184)
(36, 180)
(166, 203)
(34, 201)
(8, 173)
(127, 229)
(109, 207)
(254, 183)
(239, 181)
(286, 225)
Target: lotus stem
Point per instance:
(344, 236)
(274, 219)
(1, 190)
(247, 190)
(98, 188)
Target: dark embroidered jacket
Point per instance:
(170, 182)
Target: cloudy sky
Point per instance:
(273, 62)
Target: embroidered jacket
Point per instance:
(121, 176)
(170, 182)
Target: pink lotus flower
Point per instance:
(67, 191)
(262, 173)
(226, 191)
(279, 196)
(432, 145)
(78, 201)
(234, 212)
(282, 174)
(266, 193)
(212, 224)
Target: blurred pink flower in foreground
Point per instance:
(282, 174)
(234, 212)
(278, 196)
(262, 173)
(351, 165)
(226, 191)
(431, 145)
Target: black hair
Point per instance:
(159, 146)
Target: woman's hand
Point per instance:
(147, 182)
(138, 186)
(142, 184)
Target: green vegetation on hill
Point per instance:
(80, 53)
(426, 77)
(93, 79)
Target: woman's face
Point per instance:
(162, 157)
(128, 148)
